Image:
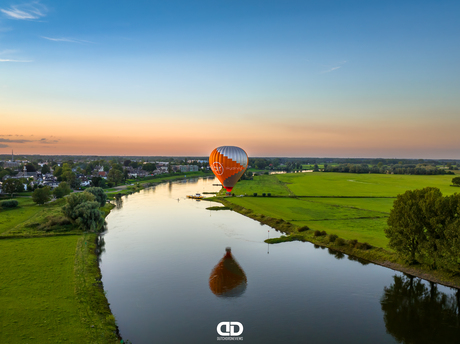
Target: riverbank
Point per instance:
(51, 288)
(360, 250)
(142, 183)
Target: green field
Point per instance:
(38, 293)
(354, 184)
(352, 206)
(49, 289)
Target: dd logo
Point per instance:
(218, 168)
(229, 327)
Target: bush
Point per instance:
(269, 194)
(332, 237)
(323, 233)
(255, 194)
(263, 194)
(12, 203)
(339, 242)
(319, 233)
(303, 229)
(363, 246)
(352, 243)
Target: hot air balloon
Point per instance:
(228, 164)
(228, 279)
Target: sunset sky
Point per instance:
(277, 78)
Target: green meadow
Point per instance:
(49, 289)
(352, 206)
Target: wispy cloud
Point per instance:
(10, 60)
(15, 141)
(48, 142)
(30, 11)
(340, 64)
(3, 146)
(7, 51)
(63, 39)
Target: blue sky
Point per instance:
(153, 73)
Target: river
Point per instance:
(169, 279)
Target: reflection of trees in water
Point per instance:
(414, 313)
(337, 254)
(100, 247)
(118, 202)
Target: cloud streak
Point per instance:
(31, 11)
(10, 60)
(64, 39)
(334, 68)
(14, 141)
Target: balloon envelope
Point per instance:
(228, 164)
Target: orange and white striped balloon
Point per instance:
(228, 164)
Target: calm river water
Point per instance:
(169, 280)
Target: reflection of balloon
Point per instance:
(227, 278)
(228, 164)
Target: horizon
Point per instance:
(327, 79)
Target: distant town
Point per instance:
(81, 172)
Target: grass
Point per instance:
(261, 184)
(50, 289)
(38, 292)
(353, 184)
(352, 206)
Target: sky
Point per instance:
(277, 78)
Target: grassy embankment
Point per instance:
(354, 207)
(50, 289)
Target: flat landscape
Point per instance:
(350, 205)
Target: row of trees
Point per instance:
(424, 227)
(380, 168)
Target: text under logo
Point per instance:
(230, 330)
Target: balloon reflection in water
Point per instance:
(228, 279)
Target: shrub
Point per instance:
(352, 243)
(339, 242)
(255, 194)
(363, 246)
(317, 233)
(12, 203)
(323, 233)
(303, 229)
(332, 237)
(269, 194)
(263, 194)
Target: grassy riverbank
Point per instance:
(50, 289)
(323, 206)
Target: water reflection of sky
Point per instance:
(161, 247)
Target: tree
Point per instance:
(149, 167)
(126, 162)
(46, 169)
(41, 195)
(62, 190)
(99, 195)
(82, 209)
(10, 186)
(405, 231)
(30, 168)
(115, 176)
(456, 181)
